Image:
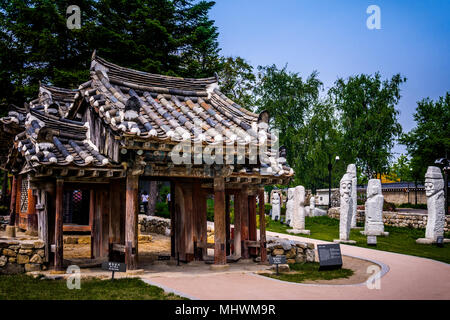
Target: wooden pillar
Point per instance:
(244, 220)
(237, 226)
(131, 223)
(59, 243)
(12, 207)
(262, 226)
(219, 221)
(172, 220)
(252, 234)
(32, 219)
(227, 223)
(92, 219)
(199, 222)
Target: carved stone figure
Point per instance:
(276, 206)
(290, 204)
(351, 171)
(374, 209)
(345, 218)
(434, 189)
(298, 223)
(312, 206)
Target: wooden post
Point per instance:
(219, 221)
(227, 223)
(32, 220)
(131, 224)
(59, 241)
(172, 219)
(237, 226)
(92, 219)
(199, 223)
(244, 220)
(12, 207)
(252, 232)
(262, 226)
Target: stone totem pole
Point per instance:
(351, 171)
(434, 189)
(312, 206)
(298, 223)
(290, 205)
(374, 225)
(276, 206)
(345, 215)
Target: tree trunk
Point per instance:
(152, 198)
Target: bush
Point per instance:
(162, 210)
(388, 206)
(267, 208)
(413, 206)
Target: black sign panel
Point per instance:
(277, 259)
(440, 241)
(114, 266)
(330, 256)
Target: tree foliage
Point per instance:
(368, 118)
(174, 37)
(430, 139)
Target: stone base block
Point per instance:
(298, 231)
(10, 231)
(344, 241)
(219, 267)
(429, 241)
(381, 234)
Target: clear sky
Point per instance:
(331, 37)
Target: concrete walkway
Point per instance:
(405, 277)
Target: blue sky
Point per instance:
(332, 38)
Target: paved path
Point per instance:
(407, 278)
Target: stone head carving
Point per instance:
(351, 170)
(290, 193)
(345, 185)
(433, 181)
(300, 193)
(373, 188)
(275, 198)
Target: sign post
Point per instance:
(330, 256)
(276, 260)
(114, 267)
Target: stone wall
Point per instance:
(19, 256)
(153, 224)
(295, 251)
(396, 219)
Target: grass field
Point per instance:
(23, 287)
(301, 272)
(400, 240)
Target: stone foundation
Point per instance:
(153, 224)
(295, 251)
(396, 219)
(19, 256)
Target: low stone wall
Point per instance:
(295, 251)
(396, 219)
(154, 224)
(19, 256)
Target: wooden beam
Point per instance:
(59, 243)
(262, 226)
(131, 223)
(219, 221)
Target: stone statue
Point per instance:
(434, 189)
(298, 217)
(290, 204)
(374, 225)
(312, 206)
(351, 171)
(346, 208)
(276, 206)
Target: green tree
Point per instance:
(430, 139)
(173, 37)
(237, 81)
(288, 99)
(401, 169)
(368, 118)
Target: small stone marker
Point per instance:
(330, 256)
(276, 260)
(114, 267)
(276, 218)
(282, 220)
(288, 222)
(440, 241)
(372, 240)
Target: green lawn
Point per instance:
(400, 240)
(23, 287)
(309, 271)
